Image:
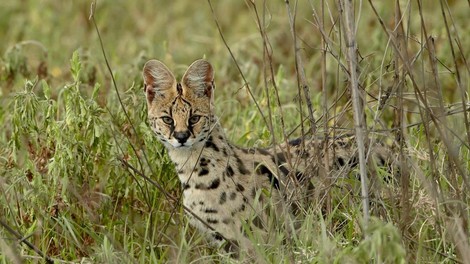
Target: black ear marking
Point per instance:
(209, 89)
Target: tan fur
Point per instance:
(223, 184)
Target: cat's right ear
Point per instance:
(158, 80)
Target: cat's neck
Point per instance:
(214, 144)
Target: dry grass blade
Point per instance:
(118, 94)
(459, 226)
(268, 72)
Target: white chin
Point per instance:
(179, 145)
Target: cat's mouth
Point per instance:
(182, 145)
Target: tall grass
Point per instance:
(82, 178)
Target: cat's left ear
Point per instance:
(199, 79)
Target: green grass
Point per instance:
(64, 136)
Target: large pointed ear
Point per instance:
(158, 80)
(199, 79)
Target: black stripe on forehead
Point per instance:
(171, 106)
(187, 102)
(184, 101)
(171, 109)
(179, 89)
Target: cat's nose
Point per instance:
(181, 136)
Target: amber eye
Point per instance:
(167, 120)
(194, 119)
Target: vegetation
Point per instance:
(82, 178)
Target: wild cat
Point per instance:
(228, 189)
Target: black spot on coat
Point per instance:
(229, 171)
(203, 162)
(241, 167)
(204, 171)
(212, 221)
(210, 144)
(214, 184)
(217, 236)
(340, 161)
(223, 198)
(263, 151)
(253, 192)
(295, 142)
(210, 211)
(263, 170)
(233, 195)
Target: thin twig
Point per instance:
(23, 240)
(267, 56)
(299, 67)
(245, 82)
(92, 18)
(422, 97)
(326, 149)
(399, 122)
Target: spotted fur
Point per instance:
(223, 184)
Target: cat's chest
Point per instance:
(211, 196)
(198, 163)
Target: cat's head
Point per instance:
(180, 113)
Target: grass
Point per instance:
(65, 139)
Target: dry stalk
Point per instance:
(347, 9)
(399, 122)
